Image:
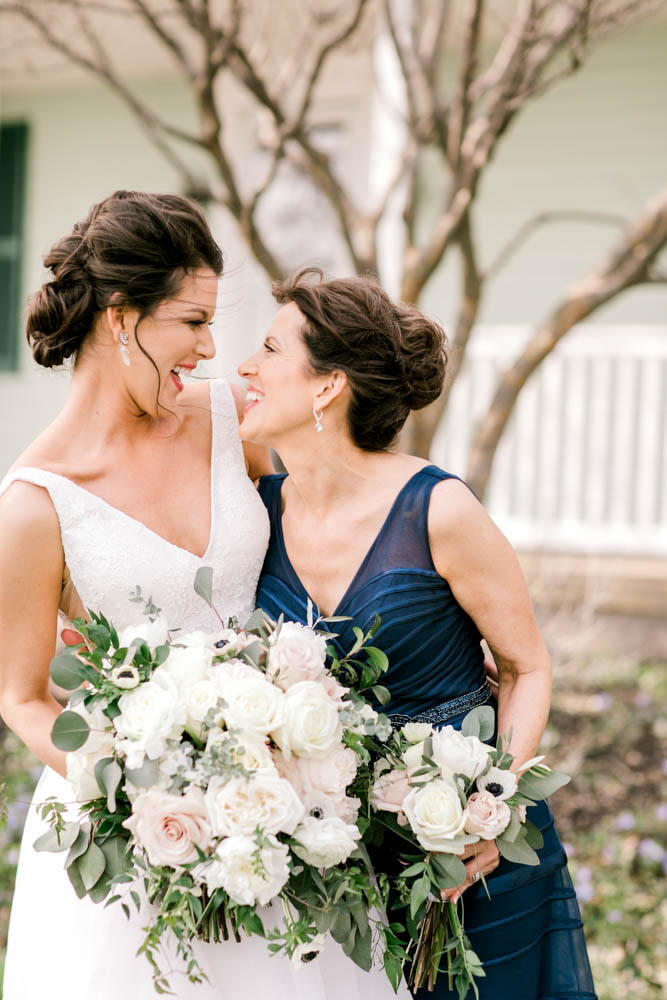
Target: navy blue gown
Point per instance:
(529, 935)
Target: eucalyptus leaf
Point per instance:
(80, 845)
(91, 866)
(74, 876)
(145, 775)
(116, 858)
(520, 852)
(541, 786)
(67, 671)
(513, 829)
(419, 892)
(534, 836)
(55, 843)
(341, 926)
(361, 952)
(70, 731)
(480, 722)
(448, 870)
(204, 583)
(101, 889)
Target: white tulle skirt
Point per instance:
(64, 948)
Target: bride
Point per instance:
(139, 481)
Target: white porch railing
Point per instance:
(583, 463)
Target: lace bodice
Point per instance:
(108, 553)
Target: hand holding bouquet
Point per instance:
(440, 791)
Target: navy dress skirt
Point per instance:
(529, 935)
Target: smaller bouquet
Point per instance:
(439, 791)
(214, 773)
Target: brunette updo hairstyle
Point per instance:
(132, 249)
(393, 356)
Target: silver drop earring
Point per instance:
(124, 350)
(318, 420)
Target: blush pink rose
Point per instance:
(170, 827)
(390, 789)
(335, 690)
(487, 816)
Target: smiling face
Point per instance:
(281, 391)
(170, 341)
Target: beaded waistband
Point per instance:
(447, 709)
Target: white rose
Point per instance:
(252, 704)
(238, 806)
(455, 753)
(412, 757)
(186, 666)
(81, 763)
(170, 828)
(151, 714)
(296, 653)
(325, 842)
(232, 670)
(487, 815)
(390, 787)
(417, 732)
(199, 699)
(311, 727)
(435, 815)
(248, 750)
(153, 633)
(332, 774)
(234, 868)
(498, 782)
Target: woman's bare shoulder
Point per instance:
(27, 515)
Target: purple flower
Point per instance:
(625, 821)
(602, 701)
(643, 699)
(584, 873)
(568, 848)
(584, 891)
(608, 854)
(650, 850)
(614, 916)
(661, 812)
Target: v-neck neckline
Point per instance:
(364, 562)
(180, 548)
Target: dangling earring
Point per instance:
(318, 420)
(124, 350)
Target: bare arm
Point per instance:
(476, 559)
(257, 457)
(31, 572)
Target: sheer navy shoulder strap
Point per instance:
(403, 540)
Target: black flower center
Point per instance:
(494, 788)
(317, 813)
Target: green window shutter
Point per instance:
(12, 185)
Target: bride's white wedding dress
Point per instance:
(63, 948)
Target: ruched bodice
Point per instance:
(433, 645)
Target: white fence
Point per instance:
(583, 463)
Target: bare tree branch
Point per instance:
(527, 228)
(155, 24)
(628, 264)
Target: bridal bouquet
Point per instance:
(439, 791)
(219, 772)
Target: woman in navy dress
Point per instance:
(357, 529)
